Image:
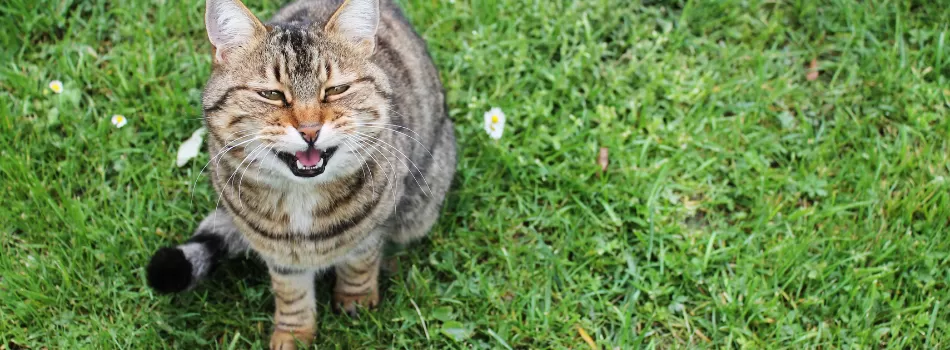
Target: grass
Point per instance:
(745, 205)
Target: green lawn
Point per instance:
(747, 204)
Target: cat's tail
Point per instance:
(176, 269)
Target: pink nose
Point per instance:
(309, 133)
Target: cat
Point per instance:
(329, 137)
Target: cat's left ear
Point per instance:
(231, 27)
(356, 21)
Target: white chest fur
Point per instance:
(299, 206)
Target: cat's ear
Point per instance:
(356, 21)
(230, 26)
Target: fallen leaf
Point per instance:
(812, 70)
(602, 159)
(189, 149)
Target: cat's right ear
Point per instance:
(357, 22)
(231, 26)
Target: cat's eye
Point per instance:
(272, 95)
(336, 90)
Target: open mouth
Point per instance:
(309, 163)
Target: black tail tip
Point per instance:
(169, 271)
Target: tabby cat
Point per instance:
(329, 137)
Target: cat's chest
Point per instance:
(299, 207)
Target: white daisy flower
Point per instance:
(119, 120)
(56, 86)
(495, 122)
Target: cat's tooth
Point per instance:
(299, 165)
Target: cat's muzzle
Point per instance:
(309, 163)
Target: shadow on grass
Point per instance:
(236, 281)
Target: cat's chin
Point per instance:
(299, 169)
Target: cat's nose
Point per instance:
(309, 132)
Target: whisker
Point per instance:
(355, 147)
(224, 149)
(238, 168)
(220, 154)
(218, 162)
(242, 131)
(217, 204)
(407, 135)
(393, 183)
(421, 174)
(414, 178)
(393, 110)
(249, 164)
(393, 125)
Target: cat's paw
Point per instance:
(286, 340)
(347, 303)
(169, 271)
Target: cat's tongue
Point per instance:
(310, 157)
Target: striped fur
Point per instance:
(386, 180)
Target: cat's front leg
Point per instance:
(357, 280)
(296, 308)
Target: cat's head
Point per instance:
(298, 100)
